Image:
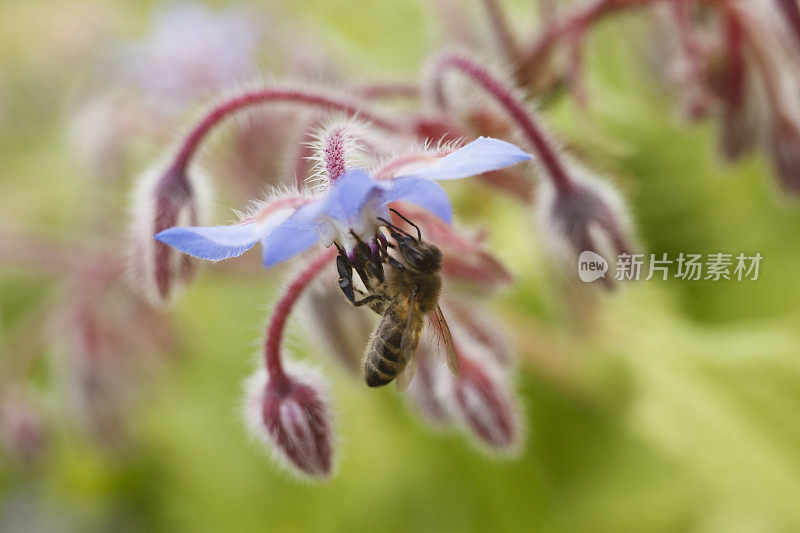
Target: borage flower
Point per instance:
(351, 209)
(348, 210)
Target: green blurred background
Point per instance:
(670, 406)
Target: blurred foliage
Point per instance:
(673, 408)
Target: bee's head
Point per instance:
(417, 255)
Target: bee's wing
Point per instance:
(446, 338)
(408, 344)
(404, 379)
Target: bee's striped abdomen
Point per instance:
(383, 361)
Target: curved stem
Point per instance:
(736, 72)
(544, 149)
(307, 97)
(387, 89)
(581, 19)
(505, 38)
(277, 324)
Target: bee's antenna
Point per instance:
(394, 230)
(396, 212)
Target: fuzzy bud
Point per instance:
(22, 430)
(589, 217)
(290, 414)
(484, 400)
(785, 150)
(738, 132)
(164, 199)
(425, 391)
(470, 322)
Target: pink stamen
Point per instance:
(334, 154)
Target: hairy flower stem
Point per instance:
(581, 19)
(734, 84)
(516, 109)
(379, 90)
(318, 99)
(502, 32)
(277, 324)
(693, 55)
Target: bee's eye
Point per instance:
(415, 259)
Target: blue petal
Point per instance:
(213, 242)
(423, 192)
(296, 234)
(349, 193)
(284, 243)
(481, 155)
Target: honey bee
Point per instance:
(404, 295)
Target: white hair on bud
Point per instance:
(551, 225)
(142, 245)
(500, 377)
(254, 388)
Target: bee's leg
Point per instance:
(366, 299)
(371, 268)
(345, 270)
(394, 263)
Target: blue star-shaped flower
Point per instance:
(353, 203)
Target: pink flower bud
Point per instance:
(22, 430)
(739, 114)
(164, 199)
(484, 399)
(785, 148)
(589, 217)
(738, 132)
(470, 322)
(426, 392)
(290, 414)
